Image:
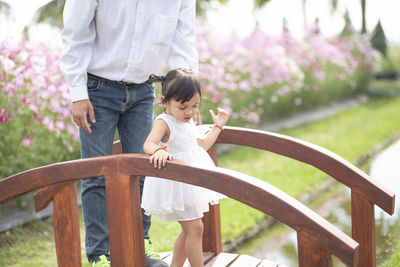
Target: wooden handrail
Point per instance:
(365, 191)
(120, 172)
(319, 157)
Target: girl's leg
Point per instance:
(179, 254)
(193, 234)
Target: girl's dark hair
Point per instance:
(179, 85)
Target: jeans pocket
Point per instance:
(93, 84)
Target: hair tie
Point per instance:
(154, 78)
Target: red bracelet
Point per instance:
(164, 147)
(219, 127)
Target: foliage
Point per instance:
(255, 78)
(387, 64)
(4, 7)
(261, 77)
(394, 260)
(35, 123)
(348, 28)
(51, 13)
(390, 62)
(378, 39)
(394, 54)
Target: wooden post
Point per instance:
(311, 253)
(125, 220)
(212, 241)
(363, 228)
(66, 227)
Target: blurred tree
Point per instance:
(348, 26)
(52, 11)
(364, 24)
(378, 39)
(334, 4)
(261, 3)
(4, 7)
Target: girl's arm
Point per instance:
(159, 132)
(219, 121)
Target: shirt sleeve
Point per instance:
(78, 36)
(183, 51)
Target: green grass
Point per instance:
(394, 261)
(350, 134)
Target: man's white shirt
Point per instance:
(126, 40)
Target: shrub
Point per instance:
(261, 77)
(35, 123)
(255, 78)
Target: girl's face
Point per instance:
(183, 111)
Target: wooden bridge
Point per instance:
(318, 240)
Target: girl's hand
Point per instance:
(221, 118)
(160, 158)
(197, 117)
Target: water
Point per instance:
(385, 169)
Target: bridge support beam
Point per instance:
(125, 220)
(311, 253)
(66, 227)
(363, 228)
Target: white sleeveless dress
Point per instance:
(176, 201)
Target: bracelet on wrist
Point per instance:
(219, 127)
(164, 147)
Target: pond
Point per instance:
(385, 169)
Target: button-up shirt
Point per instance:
(126, 40)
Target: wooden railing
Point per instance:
(316, 236)
(365, 192)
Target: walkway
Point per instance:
(227, 259)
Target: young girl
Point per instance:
(176, 201)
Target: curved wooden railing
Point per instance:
(121, 172)
(365, 192)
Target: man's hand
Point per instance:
(79, 111)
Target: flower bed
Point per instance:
(261, 77)
(255, 78)
(35, 123)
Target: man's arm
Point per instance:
(78, 36)
(183, 51)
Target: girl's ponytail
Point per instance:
(156, 79)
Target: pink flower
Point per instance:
(260, 101)
(27, 140)
(25, 100)
(298, 101)
(3, 119)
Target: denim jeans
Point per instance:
(128, 108)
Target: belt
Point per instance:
(119, 82)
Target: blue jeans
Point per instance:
(128, 108)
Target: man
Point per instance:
(110, 48)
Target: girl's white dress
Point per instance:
(176, 201)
